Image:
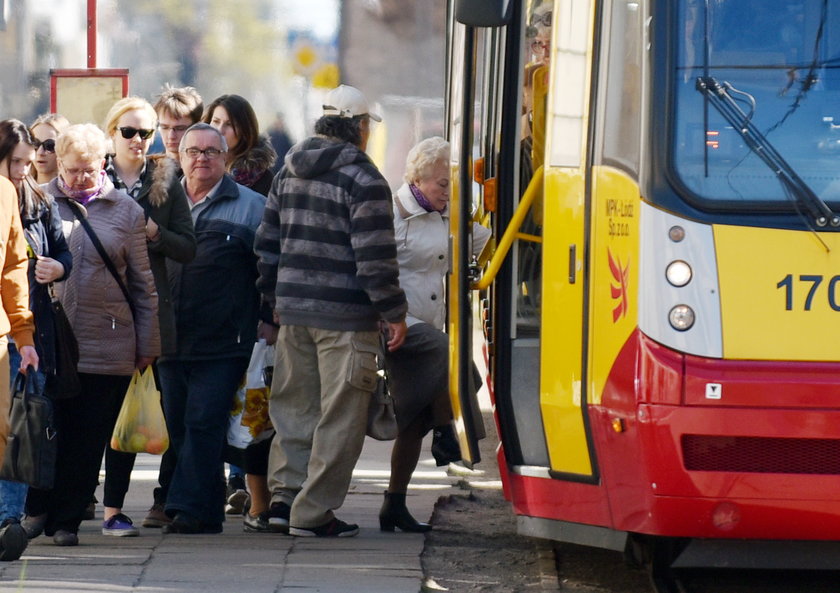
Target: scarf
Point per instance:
(246, 177)
(422, 200)
(83, 196)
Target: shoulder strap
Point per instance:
(79, 213)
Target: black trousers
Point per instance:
(85, 424)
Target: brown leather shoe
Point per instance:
(156, 517)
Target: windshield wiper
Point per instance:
(718, 95)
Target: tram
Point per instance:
(662, 309)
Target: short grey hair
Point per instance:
(422, 159)
(198, 127)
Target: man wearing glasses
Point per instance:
(217, 305)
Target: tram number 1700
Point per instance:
(815, 281)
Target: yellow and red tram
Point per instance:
(662, 310)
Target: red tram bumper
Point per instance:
(760, 462)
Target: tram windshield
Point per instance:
(775, 65)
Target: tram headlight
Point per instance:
(678, 273)
(681, 317)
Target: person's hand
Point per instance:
(396, 335)
(267, 332)
(28, 356)
(47, 269)
(143, 361)
(152, 230)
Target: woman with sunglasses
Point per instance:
(152, 180)
(44, 130)
(49, 261)
(250, 156)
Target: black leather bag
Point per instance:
(382, 420)
(64, 383)
(32, 444)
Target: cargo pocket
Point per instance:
(363, 368)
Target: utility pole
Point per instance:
(91, 33)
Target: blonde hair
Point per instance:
(123, 106)
(86, 141)
(57, 122)
(423, 157)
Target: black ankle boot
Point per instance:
(445, 447)
(395, 514)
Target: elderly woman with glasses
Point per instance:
(152, 180)
(114, 316)
(44, 130)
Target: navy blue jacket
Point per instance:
(214, 296)
(44, 236)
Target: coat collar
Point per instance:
(408, 206)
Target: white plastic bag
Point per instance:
(249, 421)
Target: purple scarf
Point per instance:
(422, 200)
(246, 177)
(83, 196)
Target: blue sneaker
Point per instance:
(120, 526)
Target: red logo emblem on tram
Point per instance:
(618, 288)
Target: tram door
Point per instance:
(534, 320)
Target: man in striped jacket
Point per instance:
(328, 268)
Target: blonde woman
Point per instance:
(153, 183)
(44, 130)
(115, 336)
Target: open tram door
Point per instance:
(506, 170)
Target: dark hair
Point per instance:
(244, 122)
(12, 133)
(347, 129)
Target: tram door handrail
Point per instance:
(512, 231)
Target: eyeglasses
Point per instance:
(128, 133)
(178, 129)
(210, 153)
(48, 145)
(539, 47)
(80, 172)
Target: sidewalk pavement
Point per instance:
(240, 562)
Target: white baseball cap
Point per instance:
(347, 101)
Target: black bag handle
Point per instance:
(25, 382)
(82, 217)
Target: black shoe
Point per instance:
(188, 525)
(445, 447)
(395, 514)
(257, 524)
(13, 540)
(334, 528)
(278, 517)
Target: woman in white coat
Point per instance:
(418, 373)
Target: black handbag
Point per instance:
(32, 444)
(64, 382)
(382, 420)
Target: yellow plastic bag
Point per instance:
(140, 427)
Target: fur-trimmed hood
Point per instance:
(164, 173)
(258, 159)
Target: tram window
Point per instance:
(780, 60)
(624, 86)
